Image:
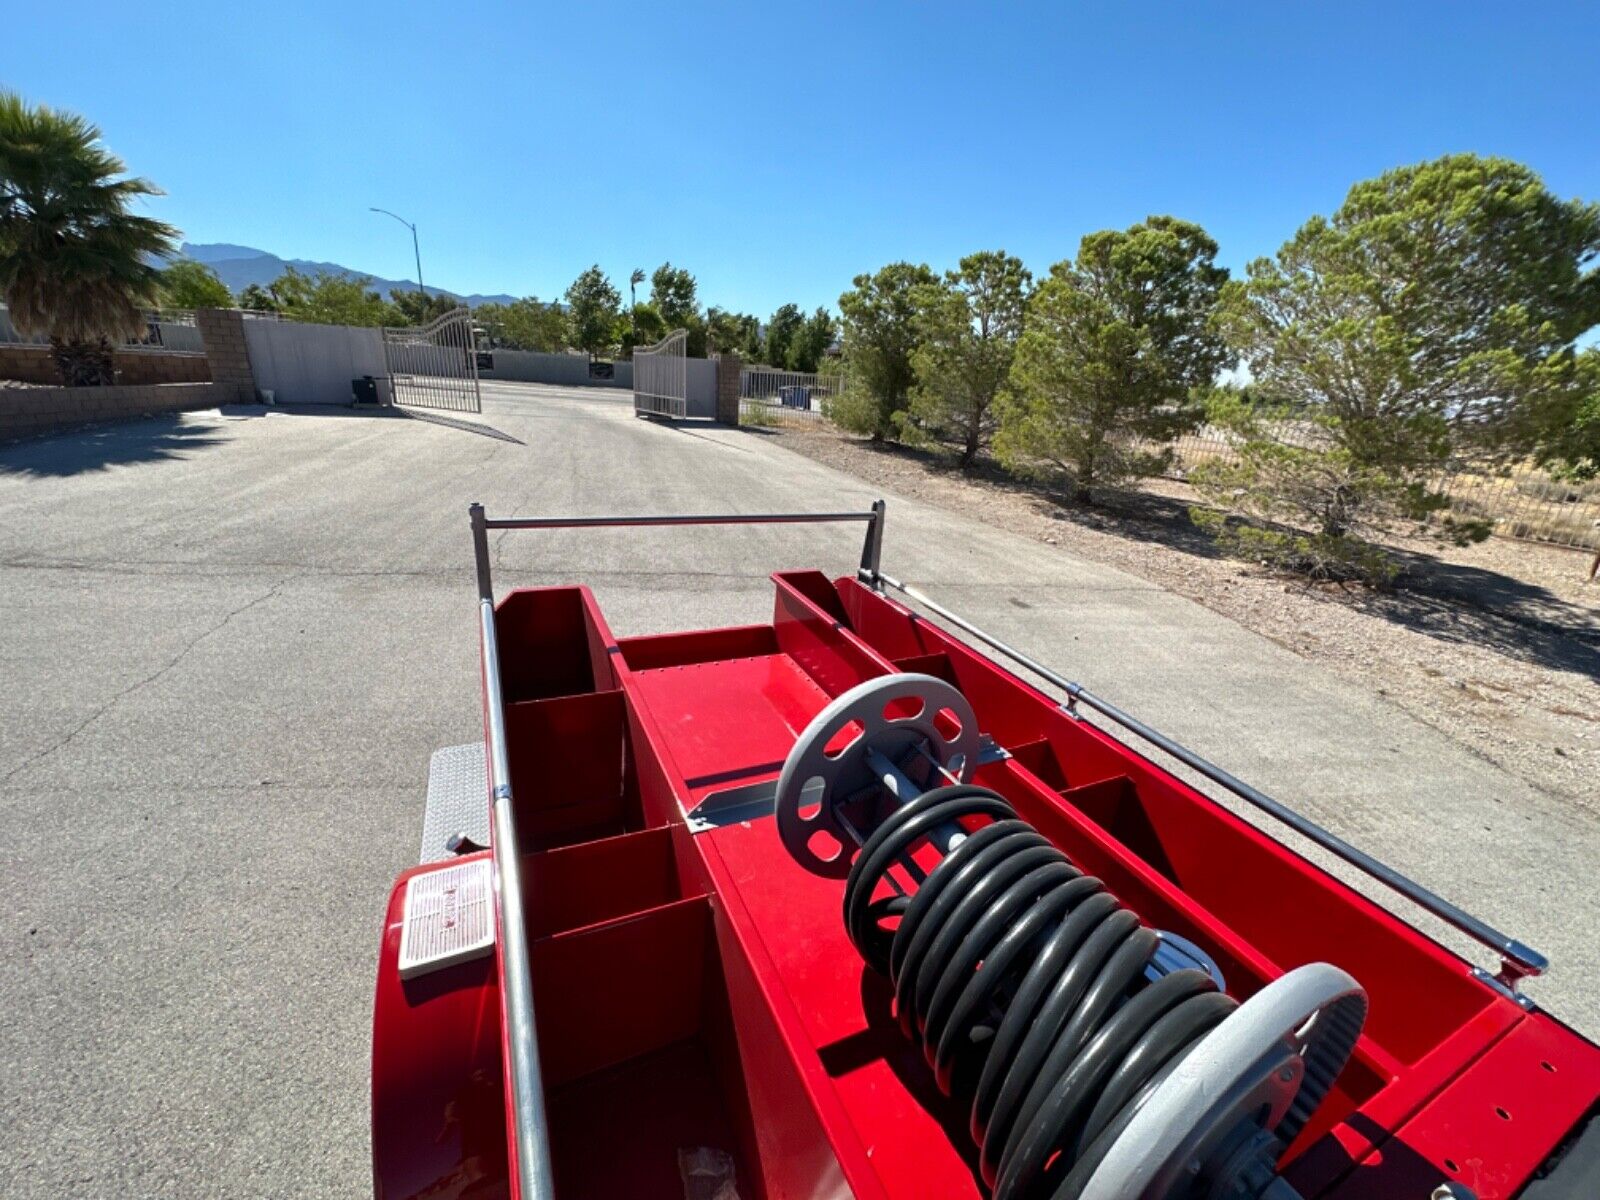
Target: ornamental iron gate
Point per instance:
(661, 377)
(435, 365)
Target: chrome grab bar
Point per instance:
(530, 1127)
(1517, 961)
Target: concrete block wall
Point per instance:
(28, 411)
(226, 351)
(728, 368)
(33, 364)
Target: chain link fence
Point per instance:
(1522, 501)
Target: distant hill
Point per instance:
(240, 266)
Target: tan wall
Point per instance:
(27, 411)
(223, 332)
(728, 367)
(32, 364)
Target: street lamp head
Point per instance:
(417, 249)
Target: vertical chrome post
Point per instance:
(872, 549)
(480, 549)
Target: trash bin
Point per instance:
(365, 390)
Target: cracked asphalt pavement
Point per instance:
(232, 641)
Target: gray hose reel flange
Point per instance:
(814, 783)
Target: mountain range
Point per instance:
(240, 266)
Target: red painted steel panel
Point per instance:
(598, 881)
(568, 776)
(610, 992)
(1494, 1125)
(438, 1103)
(779, 1039)
(813, 633)
(725, 722)
(553, 642)
(707, 645)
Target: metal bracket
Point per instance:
(734, 806)
(752, 801)
(1504, 988)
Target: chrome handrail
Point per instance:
(530, 1128)
(1517, 961)
(529, 1123)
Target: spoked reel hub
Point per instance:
(909, 722)
(1099, 1065)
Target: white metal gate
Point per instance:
(435, 365)
(661, 377)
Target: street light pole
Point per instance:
(421, 291)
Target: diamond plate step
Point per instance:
(458, 800)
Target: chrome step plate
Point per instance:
(458, 800)
(448, 918)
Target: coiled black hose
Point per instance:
(1025, 982)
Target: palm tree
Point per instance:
(634, 281)
(75, 263)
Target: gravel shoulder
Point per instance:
(1495, 645)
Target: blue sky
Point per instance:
(777, 150)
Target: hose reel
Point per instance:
(1101, 1058)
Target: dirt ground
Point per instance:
(1496, 645)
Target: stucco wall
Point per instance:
(311, 364)
(700, 387)
(568, 370)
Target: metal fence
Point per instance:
(1522, 501)
(768, 396)
(434, 365)
(169, 331)
(661, 377)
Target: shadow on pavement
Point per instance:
(380, 412)
(99, 447)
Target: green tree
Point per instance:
(1116, 339)
(592, 305)
(970, 324)
(75, 261)
(257, 299)
(647, 323)
(811, 341)
(880, 336)
(673, 295)
(1430, 321)
(525, 324)
(190, 284)
(734, 333)
(782, 329)
(326, 298)
(1571, 446)
(417, 308)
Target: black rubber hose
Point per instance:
(1026, 983)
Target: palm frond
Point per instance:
(75, 261)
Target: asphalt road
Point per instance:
(231, 643)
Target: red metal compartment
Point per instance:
(699, 990)
(639, 1055)
(566, 720)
